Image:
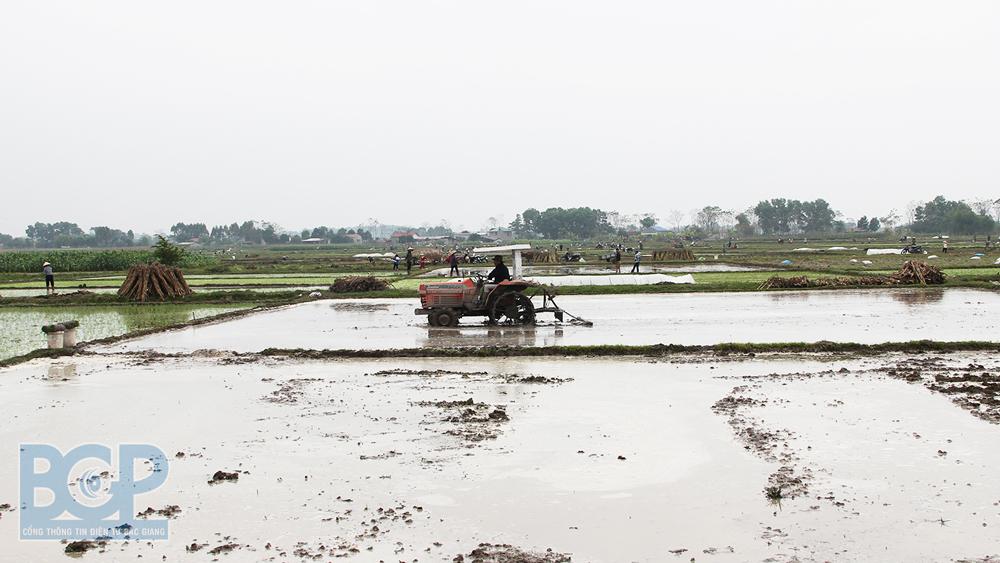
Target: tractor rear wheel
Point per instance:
(513, 308)
(443, 318)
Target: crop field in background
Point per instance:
(82, 260)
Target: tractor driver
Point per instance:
(500, 272)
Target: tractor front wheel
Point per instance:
(513, 308)
(443, 318)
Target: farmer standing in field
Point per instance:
(635, 262)
(618, 260)
(409, 260)
(453, 262)
(50, 280)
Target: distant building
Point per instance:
(355, 238)
(503, 235)
(403, 236)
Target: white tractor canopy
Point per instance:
(514, 249)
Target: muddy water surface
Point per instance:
(870, 316)
(611, 460)
(21, 326)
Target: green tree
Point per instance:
(575, 222)
(941, 215)
(744, 226)
(184, 232)
(648, 221)
(167, 253)
(530, 218)
(816, 216)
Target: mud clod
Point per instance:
(505, 553)
(84, 546)
(224, 548)
(221, 476)
(972, 387)
(169, 511)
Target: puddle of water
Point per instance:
(22, 325)
(694, 318)
(625, 462)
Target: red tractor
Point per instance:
(501, 303)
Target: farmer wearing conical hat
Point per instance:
(50, 280)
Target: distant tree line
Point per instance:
(64, 234)
(938, 216)
(254, 232)
(70, 235)
(777, 216)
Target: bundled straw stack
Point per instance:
(539, 257)
(911, 273)
(673, 254)
(357, 284)
(148, 281)
(918, 272)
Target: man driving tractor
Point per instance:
(500, 272)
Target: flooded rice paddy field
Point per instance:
(774, 458)
(34, 292)
(864, 316)
(22, 326)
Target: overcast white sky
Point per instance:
(140, 114)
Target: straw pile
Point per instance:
(146, 281)
(911, 273)
(539, 257)
(673, 254)
(918, 272)
(357, 284)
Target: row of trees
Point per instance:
(66, 234)
(253, 232)
(778, 216)
(789, 216)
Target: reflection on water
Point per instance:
(62, 372)
(918, 296)
(539, 335)
(906, 296)
(786, 296)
